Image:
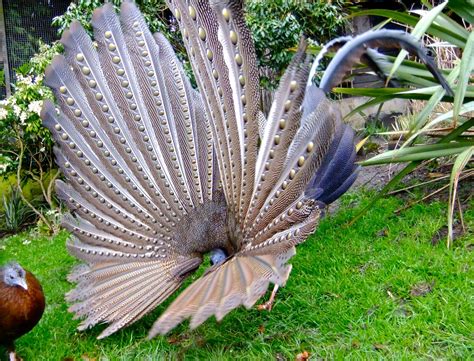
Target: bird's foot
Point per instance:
(267, 306)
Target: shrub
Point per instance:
(450, 129)
(277, 27)
(16, 212)
(26, 147)
(21, 129)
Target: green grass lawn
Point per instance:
(378, 289)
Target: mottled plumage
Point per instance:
(159, 174)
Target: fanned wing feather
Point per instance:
(122, 293)
(205, 53)
(240, 281)
(338, 171)
(136, 82)
(240, 59)
(304, 156)
(135, 161)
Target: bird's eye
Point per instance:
(12, 277)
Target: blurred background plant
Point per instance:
(439, 127)
(16, 213)
(25, 145)
(277, 27)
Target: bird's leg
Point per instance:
(12, 354)
(269, 304)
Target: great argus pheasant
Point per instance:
(158, 174)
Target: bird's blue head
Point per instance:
(14, 275)
(218, 256)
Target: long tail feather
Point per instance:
(280, 128)
(355, 48)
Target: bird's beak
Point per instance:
(22, 283)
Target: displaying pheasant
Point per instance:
(159, 175)
(21, 304)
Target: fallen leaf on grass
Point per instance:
(85, 357)
(280, 357)
(390, 294)
(303, 356)
(435, 175)
(382, 233)
(379, 347)
(173, 339)
(422, 289)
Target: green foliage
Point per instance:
(277, 27)
(454, 123)
(15, 212)
(20, 122)
(377, 290)
(2, 78)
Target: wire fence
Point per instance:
(25, 23)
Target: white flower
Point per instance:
(26, 242)
(35, 106)
(16, 110)
(42, 149)
(3, 113)
(51, 212)
(27, 80)
(23, 117)
(38, 78)
(3, 167)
